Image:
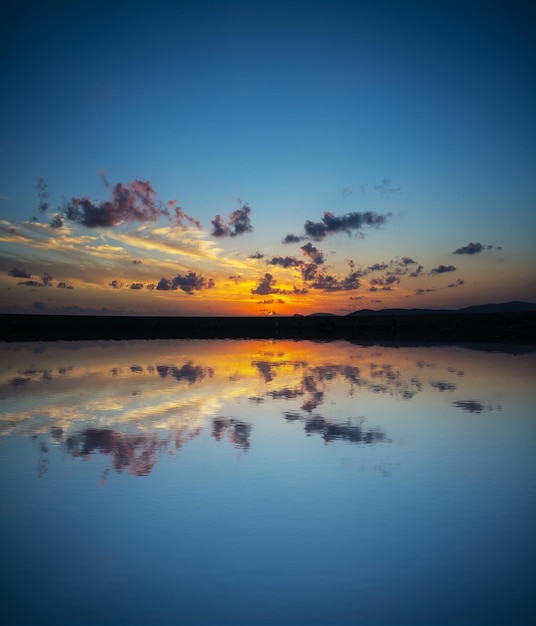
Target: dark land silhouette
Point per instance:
(513, 322)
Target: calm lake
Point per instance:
(266, 482)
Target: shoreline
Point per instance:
(441, 327)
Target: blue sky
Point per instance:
(418, 113)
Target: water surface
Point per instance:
(266, 482)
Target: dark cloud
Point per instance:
(239, 223)
(136, 201)
(316, 255)
(56, 221)
(421, 291)
(136, 286)
(292, 239)
(257, 255)
(469, 406)
(470, 248)
(64, 286)
(406, 260)
(18, 273)
(189, 283)
(328, 282)
(136, 262)
(219, 229)
(377, 267)
(386, 186)
(417, 272)
(287, 261)
(385, 282)
(116, 284)
(443, 269)
(265, 286)
(330, 223)
(458, 283)
(46, 279)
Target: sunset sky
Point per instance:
(266, 158)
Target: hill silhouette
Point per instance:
(511, 322)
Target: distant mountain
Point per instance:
(506, 307)
(364, 312)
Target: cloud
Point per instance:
(406, 260)
(189, 283)
(42, 194)
(386, 186)
(63, 285)
(442, 269)
(474, 248)
(458, 283)
(421, 291)
(116, 284)
(136, 286)
(330, 223)
(265, 286)
(257, 255)
(292, 239)
(56, 222)
(470, 248)
(287, 261)
(377, 267)
(417, 272)
(239, 223)
(46, 279)
(384, 282)
(18, 273)
(328, 282)
(316, 255)
(136, 201)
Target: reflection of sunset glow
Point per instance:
(133, 401)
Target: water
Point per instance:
(266, 482)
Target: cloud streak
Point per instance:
(442, 269)
(330, 224)
(473, 248)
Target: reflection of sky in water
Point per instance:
(266, 482)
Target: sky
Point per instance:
(266, 158)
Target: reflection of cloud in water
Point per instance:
(330, 430)
(137, 453)
(238, 432)
(442, 385)
(472, 406)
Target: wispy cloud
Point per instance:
(386, 186)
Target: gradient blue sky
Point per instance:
(419, 115)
